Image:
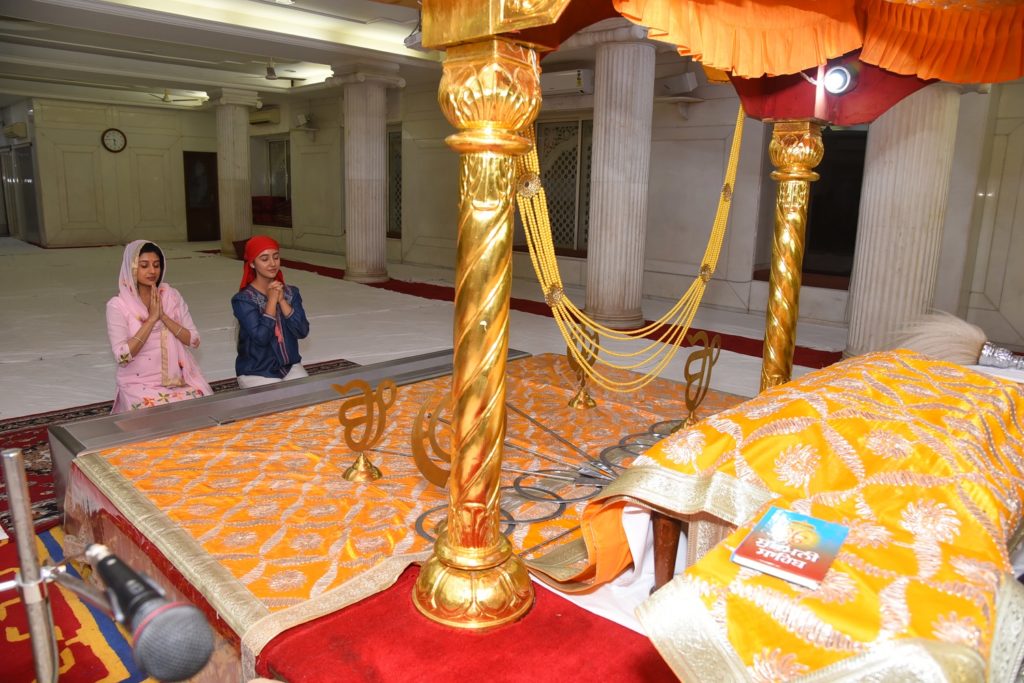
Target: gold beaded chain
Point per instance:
(573, 323)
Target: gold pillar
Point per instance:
(795, 149)
(489, 90)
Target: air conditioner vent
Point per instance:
(571, 82)
(265, 115)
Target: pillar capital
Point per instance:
(246, 98)
(607, 31)
(366, 72)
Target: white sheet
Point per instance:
(619, 599)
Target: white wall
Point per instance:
(688, 161)
(430, 175)
(996, 301)
(91, 196)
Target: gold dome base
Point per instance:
(473, 598)
(362, 470)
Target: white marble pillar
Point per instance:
(902, 209)
(234, 185)
(623, 103)
(366, 173)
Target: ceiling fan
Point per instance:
(166, 98)
(271, 73)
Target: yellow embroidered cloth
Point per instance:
(923, 460)
(257, 515)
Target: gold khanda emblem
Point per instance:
(587, 353)
(426, 430)
(363, 417)
(698, 381)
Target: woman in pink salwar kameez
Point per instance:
(150, 333)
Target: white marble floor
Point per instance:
(54, 352)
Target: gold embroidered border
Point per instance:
(687, 637)
(561, 565)
(1006, 660)
(232, 601)
(912, 660)
(358, 588)
(679, 626)
(719, 495)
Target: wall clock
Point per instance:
(113, 140)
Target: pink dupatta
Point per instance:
(125, 315)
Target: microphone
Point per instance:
(173, 642)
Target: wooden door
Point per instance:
(202, 206)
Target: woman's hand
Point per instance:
(155, 310)
(274, 292)
(282, 303)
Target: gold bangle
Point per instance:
(137, 339)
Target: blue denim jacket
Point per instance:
(260, 351)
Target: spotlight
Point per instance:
(839, 80)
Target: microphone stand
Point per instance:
(31, 579)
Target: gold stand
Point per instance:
(490, 89)
(364, 417)
(582, 400)
(795, 149)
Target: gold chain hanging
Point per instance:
(665, 334)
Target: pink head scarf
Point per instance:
(253, 248)
(127, 285)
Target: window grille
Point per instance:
(564, 150)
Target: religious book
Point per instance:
(791, 546)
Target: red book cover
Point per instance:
(791, 546)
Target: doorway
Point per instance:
(202, 204)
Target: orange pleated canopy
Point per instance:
(959, 41)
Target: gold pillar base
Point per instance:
(362, 470)
(476, 598)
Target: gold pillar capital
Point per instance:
(489, 91)
(796, 148)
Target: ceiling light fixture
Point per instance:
(839, 80)
(285, 2)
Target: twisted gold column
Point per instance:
(489, 90)
(795, 149)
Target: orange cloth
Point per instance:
(264, 498)
(968, 41)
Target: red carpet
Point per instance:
(807, 357)
(384, 638)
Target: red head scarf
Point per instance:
(253, 248)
